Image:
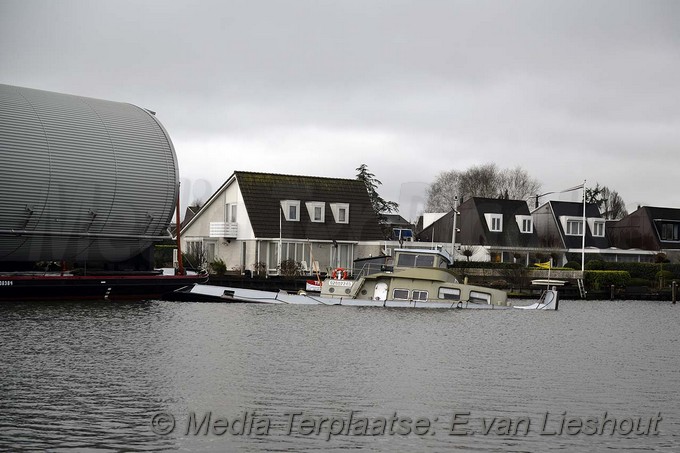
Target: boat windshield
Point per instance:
(415, 260)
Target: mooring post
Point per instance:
(674, 290)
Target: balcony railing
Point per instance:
(223, 229)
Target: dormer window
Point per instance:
(525, 223)
(317, 211)
(668, 231)
(596, 227)
(573, 226)
(340, 212)
(494, 222)
(291, 210)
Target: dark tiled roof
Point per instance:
(574, 209)
(655, 213)
(263, 192)
(473, 227)
(511, 235)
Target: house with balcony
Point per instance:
(487, 229)
(254, 221)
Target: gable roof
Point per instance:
(474, 229)
(263, 192)
(510, 236)
(640, 229)
(575, 209)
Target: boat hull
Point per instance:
(105, 287)
(223, 294)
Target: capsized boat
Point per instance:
(420, 278)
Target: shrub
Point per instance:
(218, 266)
(573, 265)
(260, 268)
(290, 268)
(597, 280)
(594, 265)
(664, 277)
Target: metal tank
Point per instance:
(81, 179)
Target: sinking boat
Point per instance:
(420, 278)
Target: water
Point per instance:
(92, 377)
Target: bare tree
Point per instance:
(479, 181)
(517, 184)
(613, 206)
(442, 192)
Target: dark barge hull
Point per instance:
(92, 287)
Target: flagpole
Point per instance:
(583, 241)
(280, 235)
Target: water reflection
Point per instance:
(90, 376)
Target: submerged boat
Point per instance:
(420, 278)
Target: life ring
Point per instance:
(340, 273)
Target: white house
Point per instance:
(265, 218)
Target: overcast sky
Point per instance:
(568, 90)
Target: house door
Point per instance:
(380, 291)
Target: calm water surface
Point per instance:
(110, 376)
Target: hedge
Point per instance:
(598, 280)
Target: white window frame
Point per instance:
(567, 223)
(312, 206)
(336, 209)
(419, 294)
(394, 294)
(523, 221)
(285, 207)
(595, 225)
(230, 213)
(491, 220)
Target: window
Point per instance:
(291, 210)
(401, 294)
(419, 295)
(340, 212)
(478, 297)
(317, 211)
(494, 222)
(598, 229)
(574, 228)
(525, 223)
(406, 260)
(449, 293)
(596, 226)
(669, 231)
(230, 212)
(425, 261)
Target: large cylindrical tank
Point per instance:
(81, 179)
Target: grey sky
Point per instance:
(568, 90)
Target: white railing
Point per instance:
(223, 229)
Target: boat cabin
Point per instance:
(416, 276)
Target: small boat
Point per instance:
(420, 278)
